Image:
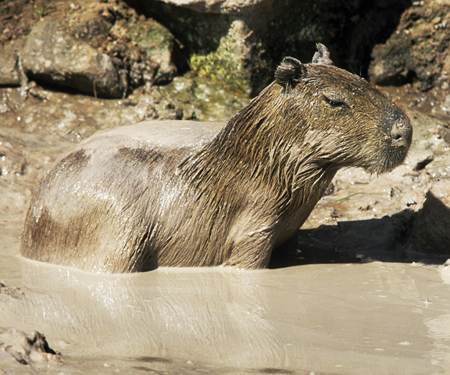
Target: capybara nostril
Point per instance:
(401, 134)
(400, 127)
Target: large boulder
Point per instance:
(101, 48)
(239, 43)
(137, 45)
(54, 57)
(418, 49)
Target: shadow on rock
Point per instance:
(389, 239)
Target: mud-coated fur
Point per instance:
(207, 194)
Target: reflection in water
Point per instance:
(211, 315)
(347, 318)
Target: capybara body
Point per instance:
(182, 193)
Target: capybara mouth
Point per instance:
(393, 157)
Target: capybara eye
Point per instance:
(335, 103)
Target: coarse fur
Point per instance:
(207, 194)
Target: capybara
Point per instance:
(180, 193)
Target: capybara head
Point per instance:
(366, 129)
(321, 117)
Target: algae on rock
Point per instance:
(226, 66)
(201, 99)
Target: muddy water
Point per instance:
(344, 318)
(372, 318)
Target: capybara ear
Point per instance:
(289, 72)
(322, 56)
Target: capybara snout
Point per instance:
(401, 130)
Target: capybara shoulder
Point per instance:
(208, 194)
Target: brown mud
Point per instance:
(345, 318)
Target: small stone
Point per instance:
(423, 163)
(27, 348)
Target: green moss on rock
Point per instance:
(201, 99)
(226, 65)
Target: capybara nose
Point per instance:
(401, 131)
(401, 134)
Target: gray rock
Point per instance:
(54, 57)
(417, 50)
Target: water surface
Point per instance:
(371, 318)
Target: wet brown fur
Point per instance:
(121, 202)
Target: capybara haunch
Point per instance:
(182, 193)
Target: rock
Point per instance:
(139, 46)
(31, 348)
(127, 50)
(431, 233)
(156, 42)
(417, 50)
(220, 6)
(226, 66)
(421, 164)
(54, 57)
(220, 47)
